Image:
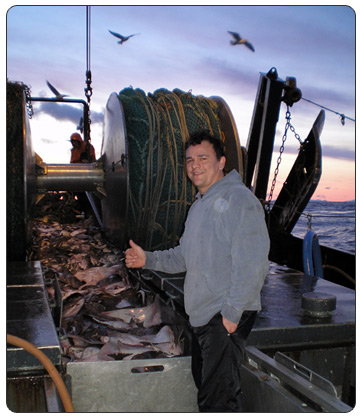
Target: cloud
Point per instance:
(339, 153)
(327, 151)
(48, 141)
(234, 80)
(321, 197)
(341, 102)
(65, 112)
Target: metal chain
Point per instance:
(292, 129)
(288, 126)
(88, 88)
(29, 106)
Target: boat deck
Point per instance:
(325, 344)
(29, 317)
(282, 323)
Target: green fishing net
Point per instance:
(157, 127)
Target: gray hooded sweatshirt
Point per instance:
(224, 251)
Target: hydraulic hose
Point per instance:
(347, 276)
(50, 368)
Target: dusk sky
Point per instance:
(188, 47)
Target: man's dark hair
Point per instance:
(197, 137)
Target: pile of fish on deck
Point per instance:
(104, 316)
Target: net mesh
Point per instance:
(157, 127)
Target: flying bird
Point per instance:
(238, 40)
(121, 37)
(58, 95)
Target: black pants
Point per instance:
(216, 361)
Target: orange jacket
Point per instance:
(77, 157)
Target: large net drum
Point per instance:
(154, 129)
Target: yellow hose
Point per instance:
(54, 374)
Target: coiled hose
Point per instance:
(50, 368)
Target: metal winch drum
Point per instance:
(108, 178)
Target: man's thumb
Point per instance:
(132, 244)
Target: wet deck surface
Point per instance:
(282, 322)
(282, 294)
(28, 315)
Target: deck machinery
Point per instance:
(300, 355)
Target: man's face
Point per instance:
(202, 166)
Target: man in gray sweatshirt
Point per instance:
(224, 251)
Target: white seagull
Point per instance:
(238, 40)
(121, 37)
(58, 95)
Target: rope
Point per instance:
(157, 127)
(342, 116)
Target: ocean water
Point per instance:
(333, 223)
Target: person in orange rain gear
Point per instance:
(79, 152)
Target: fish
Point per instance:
(125, 303)
(170, 349)
(75, 353)
(69, 280)
(65, 345)
(108, 352)
(73, 305)
(96, 358)
(115, 324)
(165, 335)
(109, 280)
(115, 288)
(85, 328)
(68, 292)
(94, 274)
(81, 341)
(77, 232)
(148, 316)
(89, 352)
(94, 355)
(105, 316)
(107, 301)
(130, 350)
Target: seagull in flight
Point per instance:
(121, 37)
(238, 40)
(58, 95)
